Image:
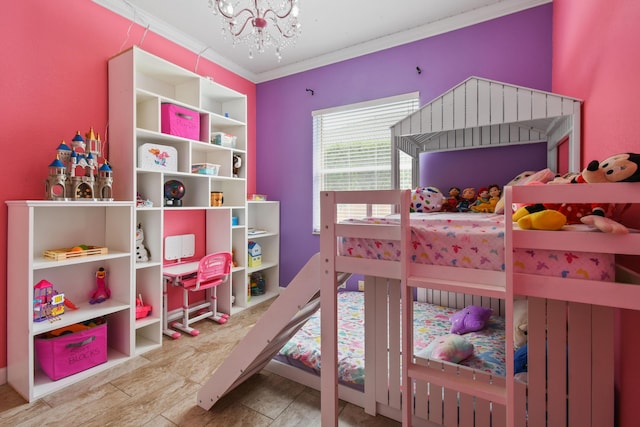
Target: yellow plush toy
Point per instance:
(546, 219)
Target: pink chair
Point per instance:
(213, 270)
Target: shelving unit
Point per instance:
(263, 216)
(36, 226)
(139, 83)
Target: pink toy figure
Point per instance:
(102, 293)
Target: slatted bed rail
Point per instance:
(571, 357)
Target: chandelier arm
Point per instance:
(244, 25)
(234, 16)
(284, 15)
(285, 34)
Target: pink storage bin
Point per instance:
(72, 353)
(179, 121)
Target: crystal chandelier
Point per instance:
(260, 23)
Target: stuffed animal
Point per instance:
(237, 164)
(520, 360)
(543, 176)
(142, 254)
(467, 198)
(471, 318)
(426, 199)
(450, 204)
(520, 319)
(451, 348)
(618, 168)
(538, 217)
(487, 203)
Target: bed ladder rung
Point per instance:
(484, 390)
(482, 289)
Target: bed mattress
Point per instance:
(476, 240)
(430, 321)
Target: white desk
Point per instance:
(174, 272)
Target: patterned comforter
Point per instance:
(429, 321)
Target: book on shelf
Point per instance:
(256, 231)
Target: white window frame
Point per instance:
(360, 111)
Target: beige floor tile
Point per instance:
(159, 389)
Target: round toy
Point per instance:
(173, 192)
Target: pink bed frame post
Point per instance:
(407, 314)
(329, 305)
(509, 350)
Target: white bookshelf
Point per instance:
(36, 226)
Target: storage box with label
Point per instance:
(205, 168)
(72, 349)
(223, 139)
(157, 157)
(179, 121)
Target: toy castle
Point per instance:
(76, 173)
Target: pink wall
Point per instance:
(54, 82)
(595, 58)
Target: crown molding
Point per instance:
(481, 14)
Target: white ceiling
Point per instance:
(332, 30)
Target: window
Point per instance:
(352, 149)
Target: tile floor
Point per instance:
(158, 389)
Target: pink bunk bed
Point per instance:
(572, 366)
(474, 114)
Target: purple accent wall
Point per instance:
(514, 49)
(481, 167)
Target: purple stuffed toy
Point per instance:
(469, 319)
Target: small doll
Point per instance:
(487, 200)
(494, 194)
(468, 197)
(483, 198)
(451, 203)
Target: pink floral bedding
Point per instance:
(475, 240)
(429, 321)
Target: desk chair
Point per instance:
(213, 270)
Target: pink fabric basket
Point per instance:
(72, 353)
(180, 121)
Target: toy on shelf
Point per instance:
(257, 284)
(237, 164)
(142, 254)
(80, 172)
(143, 203)
(102, 293)
(74, 252)
(255, 254)
(174, 191)
(48, 304)
(142, 310)
(234, 263)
